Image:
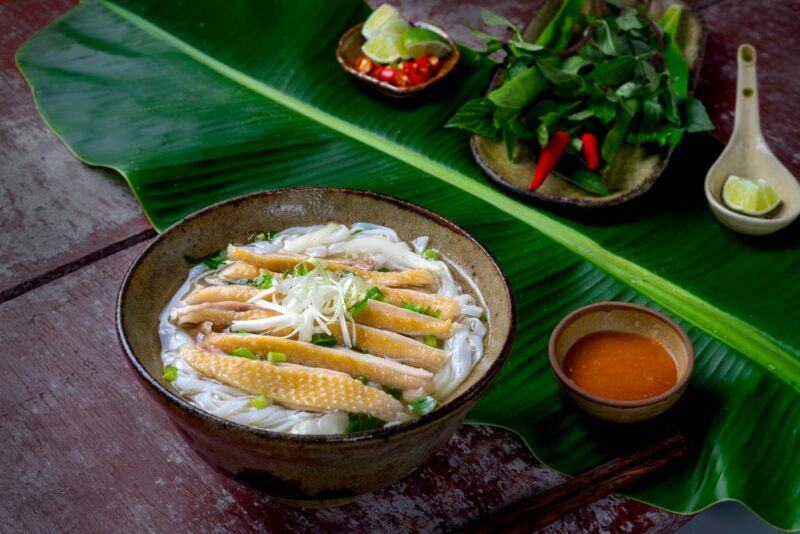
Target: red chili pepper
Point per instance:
(591, 153)
(549, 157)
(386, 74)
(363, 64)
(415, 78)
(400, 78)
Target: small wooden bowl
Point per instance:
(349, 50)
(629, 318)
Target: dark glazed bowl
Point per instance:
(634, 170)
(350, 48)
(305, 470)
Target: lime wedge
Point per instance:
(750, 197)
(384, 48)
(385, 18)
(419, 41)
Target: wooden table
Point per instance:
(82, 450)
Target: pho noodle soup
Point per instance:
(323, 329)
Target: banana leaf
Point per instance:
(194, 102)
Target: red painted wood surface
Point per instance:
(83, 448)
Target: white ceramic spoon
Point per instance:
(748, 155)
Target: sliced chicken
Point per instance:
(295, 386)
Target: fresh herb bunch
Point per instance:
(619, 77)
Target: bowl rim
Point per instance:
(370, 435)
(557, 368)
(393, 89)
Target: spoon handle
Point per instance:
(747, 123)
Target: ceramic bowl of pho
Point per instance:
(316, 343)
(621, 362)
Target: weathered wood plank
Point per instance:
(84, 448)
(54, 208)
(772, 28)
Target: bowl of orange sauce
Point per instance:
(621, 362)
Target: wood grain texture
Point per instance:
(772, 28)
(54, 208)
(83, 448)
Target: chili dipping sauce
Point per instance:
(620, 366)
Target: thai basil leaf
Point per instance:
(521, 130)
(695, 117)
(671, 103)
(676, 63)
(530, 47)
(516, 94)
(475, 116)
(666, 134)
(556, 35)
(652, 114)
(605, 111)
(493, 19)
(614, 71)
(557, 76)
(628, 89)
(573, 170)
(629, 21)
(581, 115)
(615, 136)
(574, 63)
(607, 41)
(510, 142)
(493, 44)
(649, 75)
(542, 135)
(515, 68)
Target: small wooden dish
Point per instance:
(349, 50)
(628, 318)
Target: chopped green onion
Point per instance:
(261, 236)
(243, 352)
(357, 232)
(375, 294)
(358, 307)
(262, 282)
(359, 349)
(419, 308)
(484, 318)
(212, 261)
(301, 269)
(357, 422)
(242, 332)
(383, 270)
(396, 393)
(424, 405)
(430, 254)
(260, 402)
(362, 379)
(170, 373)
(414, 307)
(323, 340)
(276, 356)
(431, 341)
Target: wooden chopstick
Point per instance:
(539, 510)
